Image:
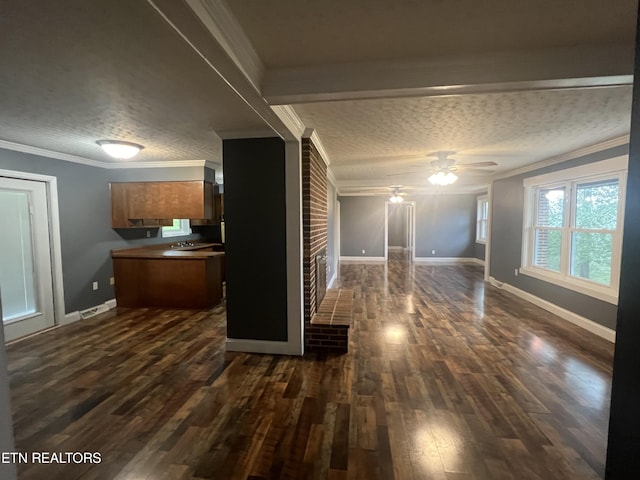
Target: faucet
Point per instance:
(182, 244)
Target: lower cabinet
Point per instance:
(168, 282)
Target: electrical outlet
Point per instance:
(363, 251)
(95, 285)
(433, 252)
(148, 233)
(112, 281)
(516, 272)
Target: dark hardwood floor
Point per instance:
(446, 378)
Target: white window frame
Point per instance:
(185, 229)
(480, 218)
(614, 168)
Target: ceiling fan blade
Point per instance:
(475, 171)
(477, 164)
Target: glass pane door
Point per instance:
(17, 273)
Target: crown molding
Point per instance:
(312, 135)
(218, 18)
(581, 152)
(157, 164)
(19, 147)
(332, 179)
(42, 152)
(320, 147)
(290, 118)
(212, 165)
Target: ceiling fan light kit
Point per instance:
(442, 178)
(395, 197)
(119, 149)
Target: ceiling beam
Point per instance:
(204, 37)
(557, 68)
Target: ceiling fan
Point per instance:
(445, 169)
(443, 162)
(396, 195)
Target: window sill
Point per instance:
(483, 242)
(586, 288)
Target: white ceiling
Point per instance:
(368, 76)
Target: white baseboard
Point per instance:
(75, 316)
(332, 280)
(563, 313)
(262, 346)
(477, 261)
(396, 249)
(70, 318)
(362, 259)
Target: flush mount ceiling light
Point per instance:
(395, 197)
(443, 178)
(120, 150)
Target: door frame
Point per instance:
(412, 219)
(55, 244)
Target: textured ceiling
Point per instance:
(109, 69)
(288, 33)
(369, 140)
(116, 69)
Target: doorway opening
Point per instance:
(399, 227)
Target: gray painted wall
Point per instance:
(332, 261)
(446, 224)
(85, 220)
(479, 250)
(397, 224)
(506, 243)
(362, 226)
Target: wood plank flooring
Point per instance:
(446, 378)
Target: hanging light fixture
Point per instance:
(443, 178)
(120, 150)
(395, 197)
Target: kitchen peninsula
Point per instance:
(169, 276)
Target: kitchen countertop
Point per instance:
(165, 251)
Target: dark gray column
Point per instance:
(255, 243)
(623, 453)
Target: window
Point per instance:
(179, 228)
(573, 227)
(482, 219)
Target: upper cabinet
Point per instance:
(147, 204)
(217, 206)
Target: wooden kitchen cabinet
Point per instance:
(168, 278)
(155, 204)
(217, 208)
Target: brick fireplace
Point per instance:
(314, 225)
